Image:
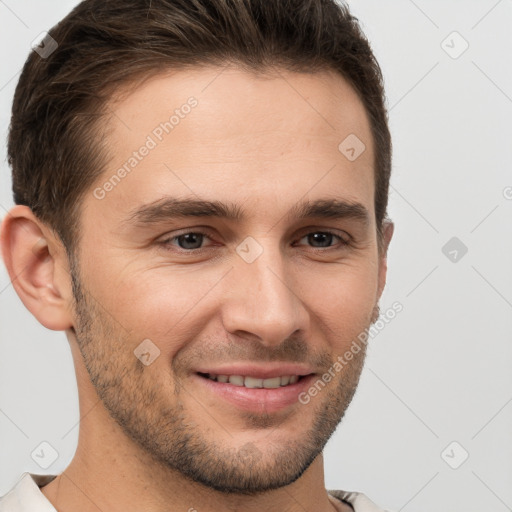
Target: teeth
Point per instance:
(237, 380)
(272, 383)
(253, 382)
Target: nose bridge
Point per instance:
(262, 300)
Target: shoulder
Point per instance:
(358, 501)
(25, 495)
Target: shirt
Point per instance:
(26, 496)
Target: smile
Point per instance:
(254, 382)
(254, 389)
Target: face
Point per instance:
(220, 276)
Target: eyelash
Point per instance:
(167, 242)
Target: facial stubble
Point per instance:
(157, 421)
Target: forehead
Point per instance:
(231, 98)
(215, 131)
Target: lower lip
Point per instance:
(257, 399)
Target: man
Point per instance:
(201, 193)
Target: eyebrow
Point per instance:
(169, 208)
(330, 209)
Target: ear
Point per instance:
(38, 267)
(388, 229)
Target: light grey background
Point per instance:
(440, 371)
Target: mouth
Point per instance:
(254, 382)
(255, 389)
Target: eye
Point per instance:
(321, 239)
(187, 241)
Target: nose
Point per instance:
(262, 300)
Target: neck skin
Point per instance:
(108, 472)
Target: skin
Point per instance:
(265, 144)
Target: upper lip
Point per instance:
(258, 371)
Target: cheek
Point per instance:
(165, 305)
(343, 299)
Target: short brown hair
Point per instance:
(55, 145)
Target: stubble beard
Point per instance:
(157, 421)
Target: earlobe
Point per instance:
(37, 265)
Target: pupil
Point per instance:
(324, 239)
(190, 241)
